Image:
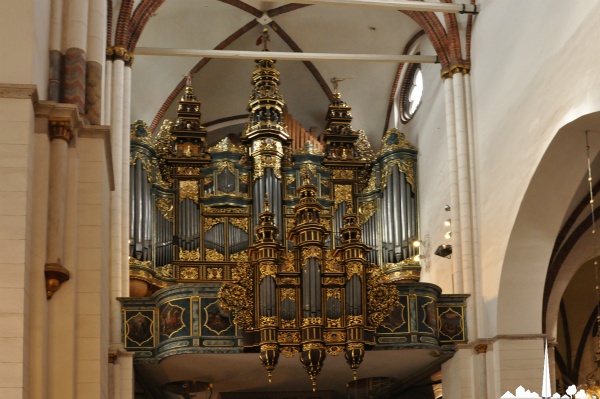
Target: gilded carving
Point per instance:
(354, 320)
(353, 268)
(209, 223)
(334, 336)
(288, 265)
(406, 166)
(333, 281)
(165, 271)
(333, 293)
(311, 346)
(288, 323)
(343, 174)
(188, 189)
(134, 262)
(394, 140)
(193, 255)
(381, 297)
(334, 323)
(60, 128)
(365, 211)
(214, 273)
(268, 321)
(289, 280)
(334, 350)
(342, 193)
(311, 252)
(163, 140)
(186, 170)
(363, 147)
(208, 209)
(267, 269)
(307, 167)
(221, 165)
(239, 257)
(240, 223)
(244, 178)
(308, 321)
(237, 295)
(212, 255)
(289, 351)
(288, 293)
(227, 145)
(189, 273)
(165, 207)
(289, 179)
(331, 263)
(310, 148)
(288, 337)
(262, 162)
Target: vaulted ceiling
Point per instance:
(223, 85)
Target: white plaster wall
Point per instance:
(534, 69)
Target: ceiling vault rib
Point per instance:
(244, 7)
(404, 5)
(282, 55)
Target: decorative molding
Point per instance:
(19, 91)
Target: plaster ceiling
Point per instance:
(223, 85)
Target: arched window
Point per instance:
(411, 92)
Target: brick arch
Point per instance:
(123, 23)
(142, 14)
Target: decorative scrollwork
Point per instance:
(288, 293)
(240, 223)
(188, 189)
(239, 257)
(342, 193)
(187, 170)
(288, 265)
(333, 293)
(212, 255)
(331, 263)
(406, 166)
(334, 336)
(363, 147)
(393, 140)
(308, 321)
(268, 321)
(163, 140)
(214, 273)
(165, 207)
(382, 298)
(237, 295)
(353, 268)
(365, 211)
(289, 351)
(334, 323)
(165, 271)
(221, 165)
(209, 223)
(189, 273)
(311, 252)
(343, 174)
(267, 269)
(227, 145)
(193, 255)
(208, 209)
(262, 162)
(288, 337)
(354, 320)
(334, 350)
(310, 148)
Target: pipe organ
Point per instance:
(279, 247)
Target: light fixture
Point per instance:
(447, 222)
(447, 208)
(592, 380)
(444, 250)
(448, 235)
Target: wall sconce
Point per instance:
(448, 222)
(423, 250)
(448, 235)
(444, 250)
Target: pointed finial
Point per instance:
(267, 205)
(263, 39)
